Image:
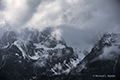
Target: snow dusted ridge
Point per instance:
(16, 43)
(43, 49)
(20, 43)
(58, 46)
(105, 54)
(58, 68)
(43, 55)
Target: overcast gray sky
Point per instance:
(80, 22)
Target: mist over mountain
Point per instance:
(90, 18)
(59, 39)
(35, 54)
(38, 55)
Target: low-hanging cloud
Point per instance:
(88, 17)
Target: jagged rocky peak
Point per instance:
(30, 41)
(103, 60)
(107, 40)
(40, 52)
(107, 47)
(44, 37)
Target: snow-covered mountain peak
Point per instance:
(43, 50)
(104, 58)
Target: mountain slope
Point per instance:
(34, 54)
(103, 62)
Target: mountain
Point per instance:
(33, 55)
(102, 63)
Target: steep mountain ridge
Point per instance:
(34, 55)
(102, 62)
